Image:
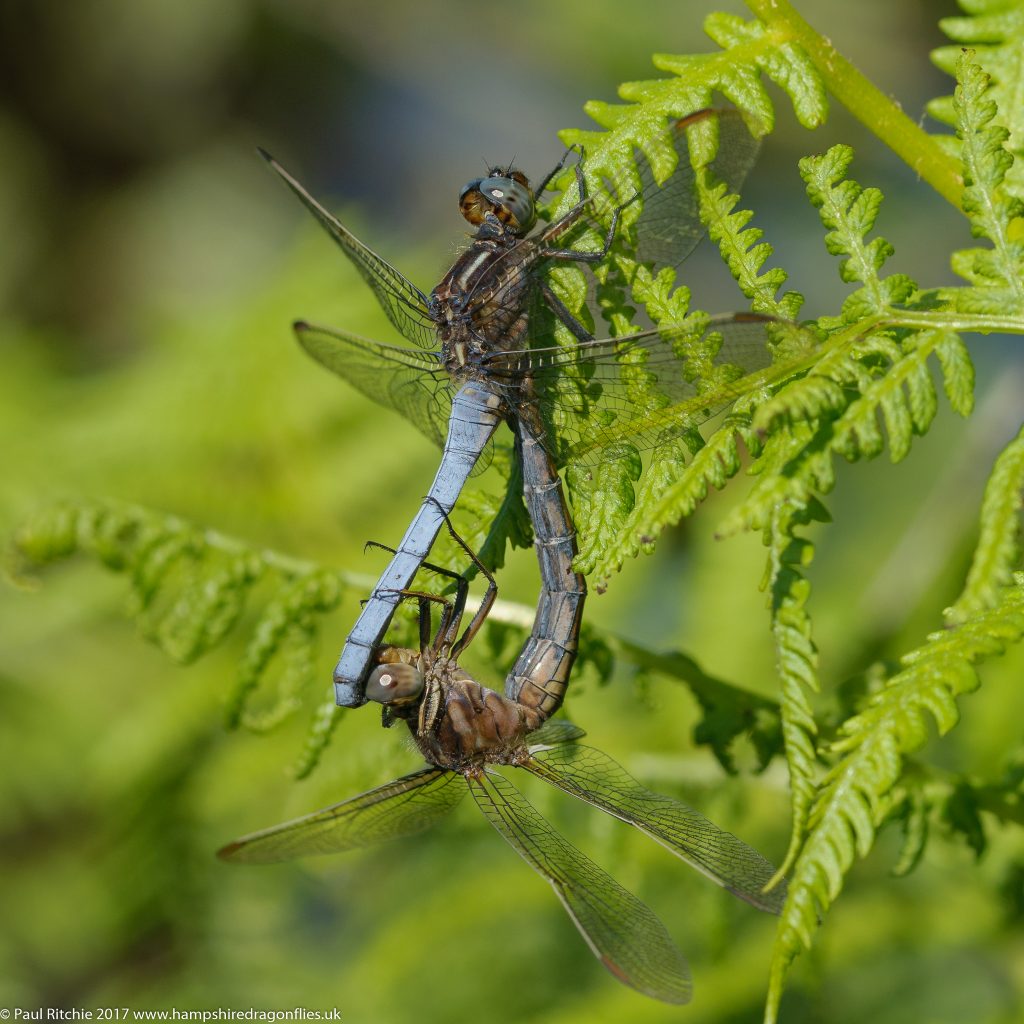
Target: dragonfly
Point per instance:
(466, 733)
(488, 344)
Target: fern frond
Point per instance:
(288, 625)
(743, 251)
(866, 373)
(928, 796)
(853, 797)
(905, 397)
(325, 720)
(602, 498)
(994, 30)
(797, 460)
(663, 499)
(849, 213)
(633, 514)
(957, 372)
(997, 273)
(189, 587)
(911, 810)
(606, 505)
(796, 662)
(997, 554)
(748, 52)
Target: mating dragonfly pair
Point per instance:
(494, 342)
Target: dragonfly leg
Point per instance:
(485, 605)
(562, 311)
(461, 583)
(425, 599)
(561, 163)
(599, 255)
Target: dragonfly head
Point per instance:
(394, 683)
(506, 194)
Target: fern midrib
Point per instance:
(991, 219)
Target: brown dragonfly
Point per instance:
(465, 732)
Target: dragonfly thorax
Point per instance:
(472, 725)
(478, 305)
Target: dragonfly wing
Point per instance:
(554, 731)
(669, 227)
(401, 808)
(623, 933)
(652, 387)
(403, 303)
(592, 776)
(410, 382)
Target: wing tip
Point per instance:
(675, 989)
(228, 852)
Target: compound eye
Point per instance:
(512, 200)
(394, 684)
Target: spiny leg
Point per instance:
(555, 304)
(488, 600)
(425, 599)
(582, 256)
(561, 163)
(461, 593)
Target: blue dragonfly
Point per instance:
(489, 344)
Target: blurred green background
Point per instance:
(149, 270)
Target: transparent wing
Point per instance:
(592, 776)
(652, 387)
(411, 382)
(622, 932)
(669, 225)
(403, 303)
(401, 808)
(553, 731)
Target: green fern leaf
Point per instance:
(852, 799)
(285, 627)
(994, 29)
(996, 273)
(207, 608)
(957, 372)
(785, 64)
(904, 395)
(663, 499)
(326, 719)
(796, 660)
(913, 815)
(849, 213)
(602, 498)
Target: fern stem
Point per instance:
(880, 114)
(972, 323)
